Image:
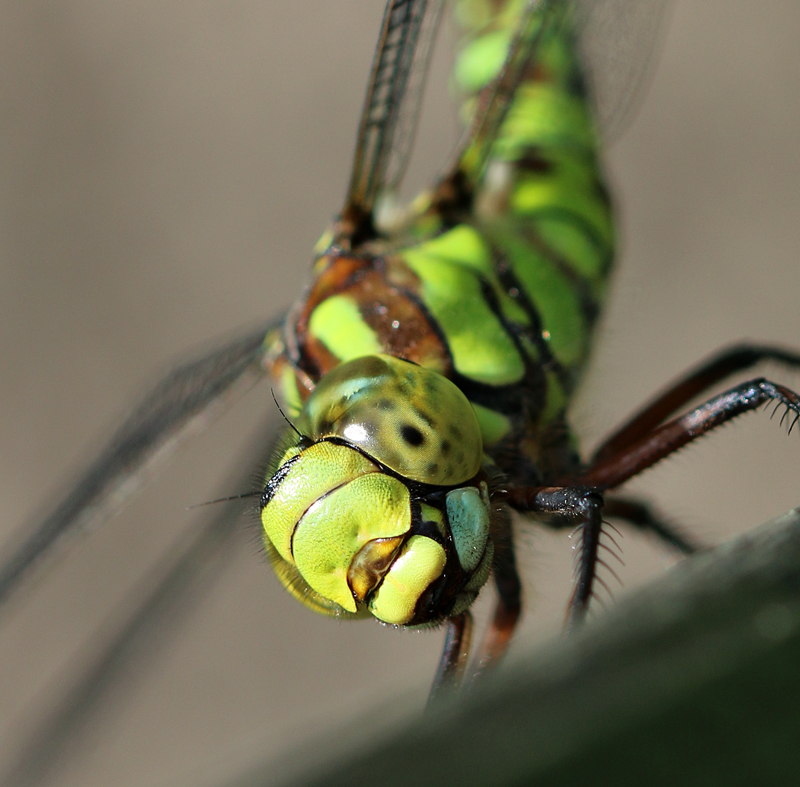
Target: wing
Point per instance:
(620, 43)
(139, 628)
(391, 107)
(183, 402)
(495, 100)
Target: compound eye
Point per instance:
(409, 418)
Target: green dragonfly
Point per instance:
(348, 627)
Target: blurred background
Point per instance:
(166, 169)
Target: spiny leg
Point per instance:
(715, 369)
(641, 516)
(584, 506)
(611, 471)
(496, 639)
(453, 660)
(585, 502)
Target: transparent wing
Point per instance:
(408, 113)
(620, 43)
(391, 107)
(184, 401)
(138, 629)
(495, 100)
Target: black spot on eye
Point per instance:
(385, 404)
(412, 435)
(432, 468)
(461, 458)
(446, 446)
(455, 432)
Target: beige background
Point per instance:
(165, 170)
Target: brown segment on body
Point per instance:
(385, 295)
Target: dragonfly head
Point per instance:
(380, 506)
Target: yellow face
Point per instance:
(380, 509)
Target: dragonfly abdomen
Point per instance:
(539, 196)
(503, 280)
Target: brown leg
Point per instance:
(453, 660)
(641, 515)
(611, 471)
(585, 502)
(717, 368)
(509, 600)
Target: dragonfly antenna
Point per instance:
(274, 399)
(223, 500)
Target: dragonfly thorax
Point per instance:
(380, 506)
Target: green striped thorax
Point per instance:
(380, 506)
